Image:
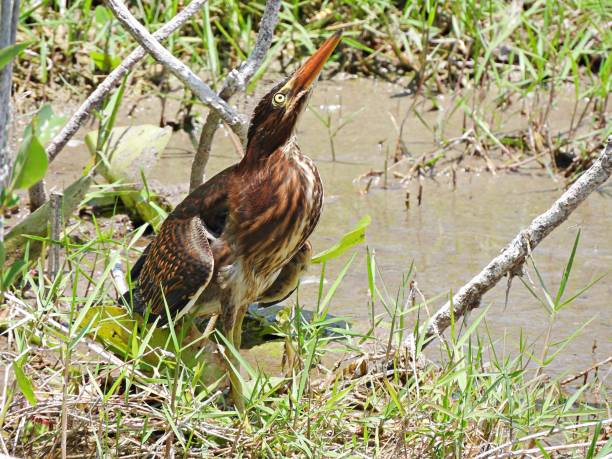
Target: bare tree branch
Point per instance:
(514, 255)
(37, 192)
(9, 18)
(235, 81)
(175, 66)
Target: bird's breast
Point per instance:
(276, 212)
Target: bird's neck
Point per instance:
(258, 152)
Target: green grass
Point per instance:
(377, 404)
(149, 397)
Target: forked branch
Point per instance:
(37, 192)
(235, 81)
(514, 255)
(202, 91)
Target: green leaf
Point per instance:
(130, 155)
(114, 328)
(48, 124)
(211, 45)
(350, 239)
(356, 44)
(104, 61)
(605, 449)
(9, 275)
(394, 396)
(36, 224)
(322, 308)
(102, 15)
(471, 328)
(31, 163)
(2, 254)
(10, 52)
(24, 383)
(567, 271)
(108, 115)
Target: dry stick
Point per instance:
(585, 372)
(554, 448)
(513, 256)
(9, 17)
(235, 81)
(56, 231)
(544, 433)
(64, 412)
(206, 95)
(37, 192)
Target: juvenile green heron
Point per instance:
(241, 237)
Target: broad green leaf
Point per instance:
(31, 163)
(102, 15)
(114, 328)
(24, 383)
(10, 52)
(2, 254)
(131, 154)
(350, 239)
(48, 124)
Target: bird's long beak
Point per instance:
(309, 71)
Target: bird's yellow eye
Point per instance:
(279, 98)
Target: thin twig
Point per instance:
(585, 372)
(573, 446)
(176, 67)
(513, 256)
(544, 433)
(37, 193)
(236, 80)
(64, 413)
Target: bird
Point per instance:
(242, 236)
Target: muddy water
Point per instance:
(450, 237)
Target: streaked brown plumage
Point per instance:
(241, 237)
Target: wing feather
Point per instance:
(179, 261)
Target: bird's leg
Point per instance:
(233, 316)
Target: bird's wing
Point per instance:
(178, 263)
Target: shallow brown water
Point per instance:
(450, 237)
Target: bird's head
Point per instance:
(276, 114)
